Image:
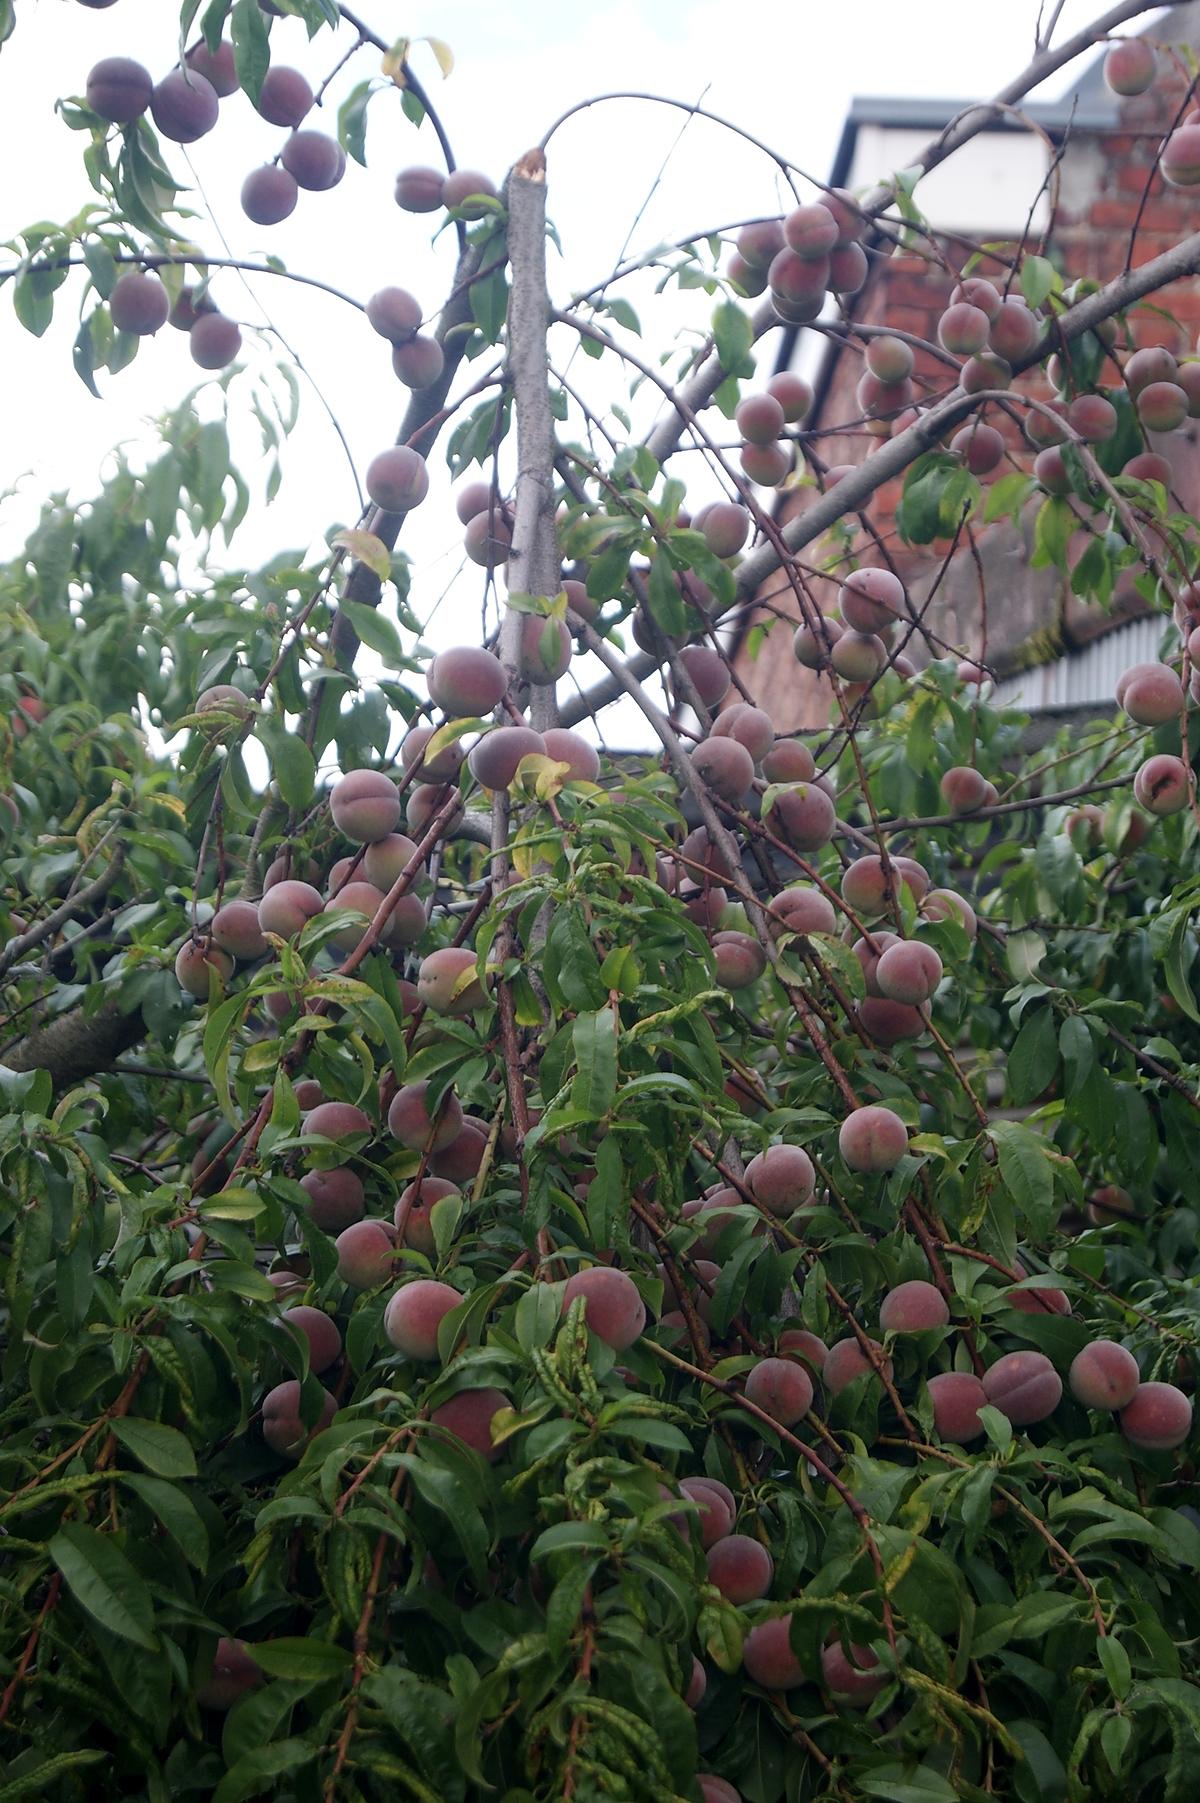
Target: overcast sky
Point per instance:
(786, 71)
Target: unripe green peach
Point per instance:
(811, 645)
(859, 656)
(224, 697)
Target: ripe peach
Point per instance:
(859, 656)
(1151, 694)
(193, 961)
(386, 859)
(1110, 1203)
(846, 1360)
(419, 190)
(759, 419)
(414, 1314)
(726, 526)
(707, 672)
(856, 1676)
(409, 1119)
(745, 279)
(234, 1672)
(766, 465)
(872, 1139)
(793, 393)
(797, 284)
(984, 372)
(963, 329)
(1104, 1376)
(1162, 406)
(760, 241)
(1162, 785)
(1180, 163)
(948, 904)
(461, 1159)
(419, 362)
(282, 1428)
(444, 765)
(888, 1022)
(1157, 1419)
(284, 96)
(957, 1398)
(184, 106)
(1130, 67)
(716, 1790)
(366, 1253)
(980, 446)
(269, 195)
(749, 726)
(397, 479)
(871, 599)
(365, 805)
(426, 800)
(139, 304)
(324, 1339)
(788, 761)
(235, 928)
(848, 269)
(469, 1415)
(336, 1198)
(782, 1178)
(448, 981)
(1148, 466)
(360, 901)
(412, 1214)
(118, 89)
(216, 66)
(214, 341)
(567, 747)
(488, 539)
(977, 291)
(338, 1120)
(613, 1308)
(1024, 1386)
(466, 682)
(802, 815)
(465, 191)
(767, 1656)
(1051, 471)
(909, 971)
(395, 315)
(913, 1307)
(725, 766)
(316, 160)
(716, 1516)
(781, 1388)
(804, 910)
(739, 960)
(811, 231)
(1013, 334)
(741, 1568)
(1093, 417)
(865, 884)
(543, 651)
(693, 1696)
(495, 757)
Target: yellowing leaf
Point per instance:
(394, 61)
(367, 548)
(444, 54)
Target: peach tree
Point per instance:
(541, 1273)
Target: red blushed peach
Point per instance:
(282, 1428)
(414, 1314)
(847, 1360)
(798, 1343)
(716, 1516)
(781, 1388)
(873, 1139)
(1157, 1418)
(469, 1416)
(234, 1672)
(856, 1676)
(741, 1568)
(914, 1307)
(1024, 1386)
(957, 1398)
(613, 1307)
(1104, 1376)
(781, 1178)
(767, 1656)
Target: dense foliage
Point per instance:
(670, 1276)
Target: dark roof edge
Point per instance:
(931, 115)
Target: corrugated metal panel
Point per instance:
(1084, 678)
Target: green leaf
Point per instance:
(177, 1512)
(352, 121)
(569, 1536)
(595, 1041)
(103, 1582)
(1115, 1660)
(253, 1774)
(302, 1657)
(733, 335)
(1026, 1171)
(376, 632)
(1039, 279)
(159, 1448)
(1034, 1057)
(904, 1784)
(294, 769)
(251, 45)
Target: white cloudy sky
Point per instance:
(787, 71)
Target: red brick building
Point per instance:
(1075, 180)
